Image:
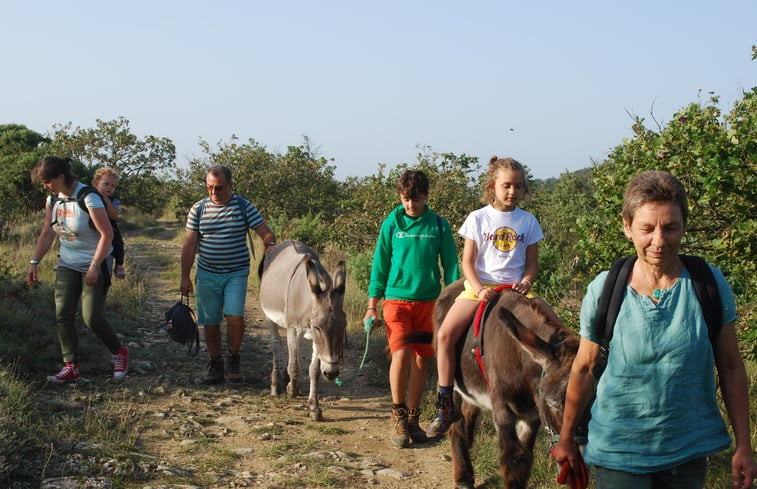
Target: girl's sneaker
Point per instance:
(120, 272)
(69, 373)
(120, 363)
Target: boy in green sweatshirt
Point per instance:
(406, 275)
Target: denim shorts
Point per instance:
(220, 294)
(689, 475)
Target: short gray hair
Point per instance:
(220, 170)
(654, 186)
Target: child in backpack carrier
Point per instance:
(106, 181)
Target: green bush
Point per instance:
(359, 265)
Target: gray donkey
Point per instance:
(297, 293)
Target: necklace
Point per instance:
(656, 293)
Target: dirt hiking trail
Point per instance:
(237, 435)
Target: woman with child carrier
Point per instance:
(655, 419)
(78, 217)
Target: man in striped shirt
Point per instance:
(216, 229)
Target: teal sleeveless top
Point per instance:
(656, 406)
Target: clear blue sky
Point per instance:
(550, 83)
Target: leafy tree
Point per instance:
(249, 163)
(20, 149)
(364, 205)
(139, 162)
(296, 192)
(301, 183)
(715, 156)
(561, 207)
(367, 201)
(453, 180)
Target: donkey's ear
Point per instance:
(540, 350)
(318, 281)
(340, 278)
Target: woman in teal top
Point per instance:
(655, 419)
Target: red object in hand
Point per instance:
(574, 480)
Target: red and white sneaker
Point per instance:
(69, 373)
(121, 363)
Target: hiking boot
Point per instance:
(121, 363)
(445, 415)
(215, 372)
(399, 436)
(69, 373)
(413, 428)
(234, 373)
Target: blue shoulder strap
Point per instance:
(243, 210)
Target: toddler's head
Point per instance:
(105, 180)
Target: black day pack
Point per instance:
(181, 323)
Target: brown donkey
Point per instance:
(526, 353)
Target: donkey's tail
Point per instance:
(417, 337)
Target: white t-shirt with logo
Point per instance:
(502, 238)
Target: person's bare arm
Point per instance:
(269, 239)
(100, 219)
(44, 242)
(733, 385)
(187, 260)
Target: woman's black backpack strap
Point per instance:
(612, 296)
(609, 305)
(707, 293)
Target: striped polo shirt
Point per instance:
(223, 236)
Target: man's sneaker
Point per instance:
(413, 428)
(121, 363)
(235, 375)
(215, 372)
(445, 415)
(69, 373)
(399, 436)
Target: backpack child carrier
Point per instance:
(181, 324)
(615, 285)
(79, 199)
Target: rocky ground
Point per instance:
(237, 435)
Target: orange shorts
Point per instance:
(402, 317)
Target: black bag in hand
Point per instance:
(181, 324)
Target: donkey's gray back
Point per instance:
(285, 295)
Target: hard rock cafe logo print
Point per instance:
(504, 239)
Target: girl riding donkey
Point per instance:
(501, 247)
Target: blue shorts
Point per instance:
(220, 294)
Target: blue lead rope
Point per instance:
(368, 325)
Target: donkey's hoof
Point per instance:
(466, 484)
(316, 415)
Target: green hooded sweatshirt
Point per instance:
(406, 261)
